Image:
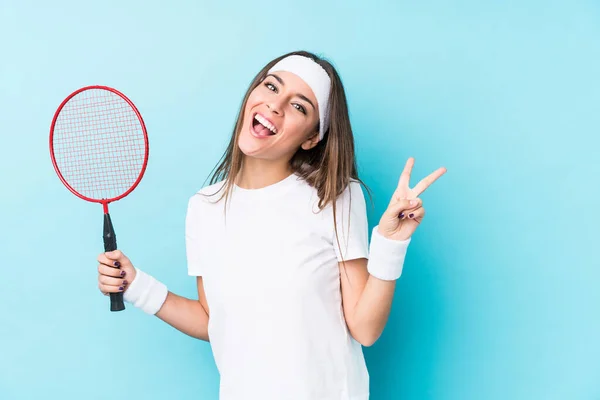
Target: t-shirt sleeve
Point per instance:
(193, 239)
(352, 224)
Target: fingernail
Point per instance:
(122, 274)
(413, 202)
(117, 264)
(401, 215)
(124, 283)
(121, 288)
(411, 215)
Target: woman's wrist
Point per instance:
(386, 256)
(146, 292)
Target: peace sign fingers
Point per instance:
(427, 181)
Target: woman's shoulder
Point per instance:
(209, 194)
(352, 190)
(352, 196)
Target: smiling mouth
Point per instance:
(262, 127)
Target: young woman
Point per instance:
(289, 287)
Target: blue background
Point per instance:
(499, 299)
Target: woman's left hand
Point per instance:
(405, 211)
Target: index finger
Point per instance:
(428, 180)
(404, 180)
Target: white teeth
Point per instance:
(265, 123)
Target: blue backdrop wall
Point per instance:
(499, 299)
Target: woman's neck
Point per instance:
(257, 173)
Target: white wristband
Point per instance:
(386, 256)
(146, 293)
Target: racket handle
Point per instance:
(110, 244)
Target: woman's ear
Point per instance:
(311, 142)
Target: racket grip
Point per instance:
(110, 244)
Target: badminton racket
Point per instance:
(99, 149)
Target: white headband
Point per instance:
(315, 76)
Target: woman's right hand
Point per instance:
(115, 272)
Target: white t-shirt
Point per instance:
(272, 283)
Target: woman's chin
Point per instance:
(250, 146)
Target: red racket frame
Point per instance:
(104, 202)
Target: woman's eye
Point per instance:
(271, 87)
(300, 108)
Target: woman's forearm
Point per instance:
(185, 315)
(370, 298)
(372, 310)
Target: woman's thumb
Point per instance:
(118, 257)
(114, 255)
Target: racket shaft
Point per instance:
(110, 244)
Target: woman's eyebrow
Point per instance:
(303, 97)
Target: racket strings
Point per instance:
(99, 144)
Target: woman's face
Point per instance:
(281, 115)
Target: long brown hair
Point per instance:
(328, 167)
